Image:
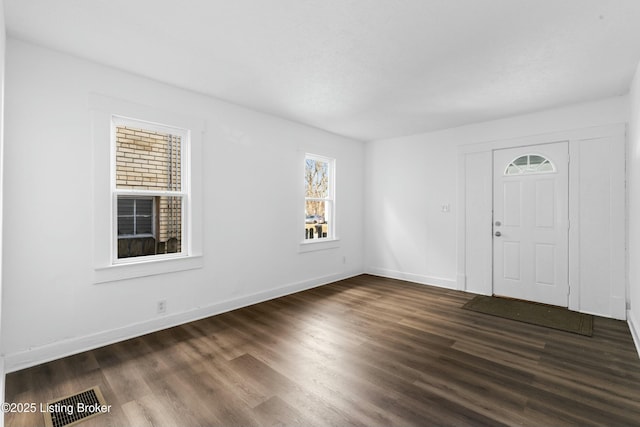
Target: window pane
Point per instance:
(144, 207)
(137, 229)
(316, 225)
(147, 160)
(144, 224)
(546, 167)
(316, 178)
(125, 206)
(520, 161)
(170, 224)
(536, 160)
(125, 225)
(512, 170)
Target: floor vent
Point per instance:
(74, 409)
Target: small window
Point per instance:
(528, 164)
(319, 198)
(148, 189)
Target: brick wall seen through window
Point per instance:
(147, 163)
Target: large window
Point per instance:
(319, 183)
(149, 191)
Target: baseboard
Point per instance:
(411, 277)
(634, 327)
(46, 353)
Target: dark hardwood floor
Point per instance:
(366, 351)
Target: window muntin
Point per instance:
(530, 164)
(319, 198)
(148, 189)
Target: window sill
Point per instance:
(132, 270)
(318, 245)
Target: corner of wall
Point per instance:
(2, 55)
(633, 208)
(634, 327)
(2, 382)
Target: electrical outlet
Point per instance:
(162, 306)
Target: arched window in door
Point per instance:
(528, 164)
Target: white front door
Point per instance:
(530, 223)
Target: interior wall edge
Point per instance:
(634, 327)
(2, 382)
(60, 349)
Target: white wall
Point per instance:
(633, 188)
(406, 233)
(252, 210)
(2, 60)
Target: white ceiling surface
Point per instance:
(367, 69)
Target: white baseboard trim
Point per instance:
(57, 350)
(634, 327)
(411, 277)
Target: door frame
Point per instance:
(474, 221)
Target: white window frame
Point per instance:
(103, 109)
(330, 205)
(184, 134)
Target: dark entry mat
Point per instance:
(534, 313)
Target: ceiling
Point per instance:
(367, 69)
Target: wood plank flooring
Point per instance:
(366, 351)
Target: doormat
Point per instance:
(534, 313)
(74, 409)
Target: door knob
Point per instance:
(498, 234)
